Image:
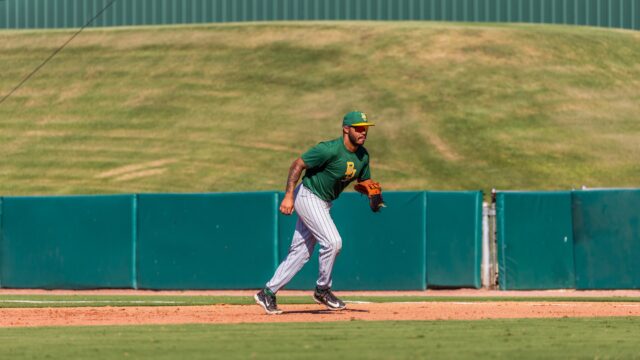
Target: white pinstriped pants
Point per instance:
(314, 225)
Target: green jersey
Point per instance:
(331, 168)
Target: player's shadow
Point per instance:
(325, 311)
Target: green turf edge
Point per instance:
(37, 301)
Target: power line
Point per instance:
(56, 51)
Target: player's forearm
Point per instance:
(295, 171)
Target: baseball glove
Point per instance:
(373, 191)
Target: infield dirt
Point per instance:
(220, 314)
(223, 314)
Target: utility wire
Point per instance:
(56, 51)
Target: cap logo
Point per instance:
(364, 117)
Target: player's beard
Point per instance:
(354, 140)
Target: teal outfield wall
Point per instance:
(454, 237)
(545, 240)
(67, 242)
(606, 227)
(20, 14)
(584, 239)
(233, 241)
(205, 241)
(535, 240)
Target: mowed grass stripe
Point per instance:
(458, 106)
(592, 338)
(19, 301)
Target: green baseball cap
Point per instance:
(356, 118)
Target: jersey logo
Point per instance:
(351, 171)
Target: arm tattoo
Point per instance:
(294, 175)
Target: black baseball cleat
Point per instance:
(326, 297)
(267, 300)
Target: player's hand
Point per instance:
(286, 207)
(373, 190)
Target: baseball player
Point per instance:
(329, 167)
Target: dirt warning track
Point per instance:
(225, 314)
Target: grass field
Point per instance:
(228, 107)
(601, 338)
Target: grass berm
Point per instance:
(227, 107)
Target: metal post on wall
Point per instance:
(489, 245)
(485, 245)
(489, 256)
